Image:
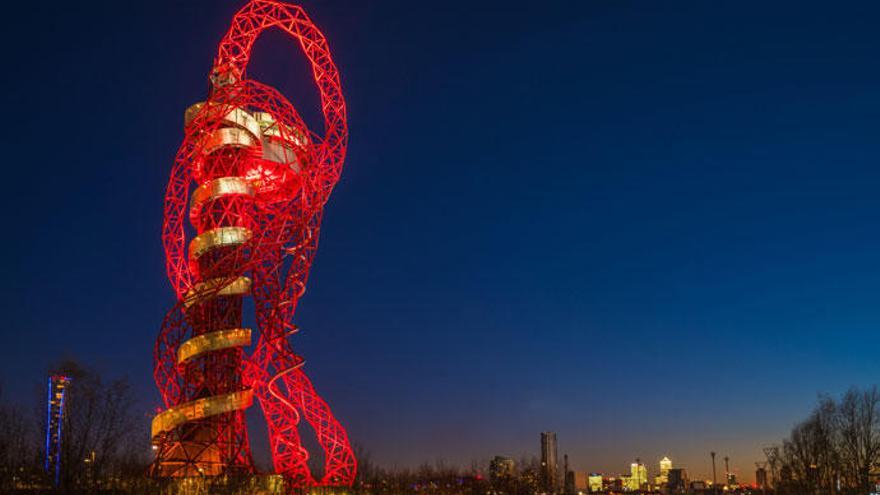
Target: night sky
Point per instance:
(651, 227)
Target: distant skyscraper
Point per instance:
(761, 478)
(549, 463)
(637, 478)
(596, 483)
(581, 481)
(663, 477)
(677, 481)
(501, 468)
(568, 477)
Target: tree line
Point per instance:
(835, 450)
(105, 449)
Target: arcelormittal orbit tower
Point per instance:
(242, 218)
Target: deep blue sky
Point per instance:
(649, 226)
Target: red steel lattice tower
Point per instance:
(242, 216)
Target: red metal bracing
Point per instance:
(251, 179)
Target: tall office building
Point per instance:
(501, 468)
(731, 479)
(761, 478)
(581, 481)
(549, 463)
(568, 477)
(677, 481)
(596, 482)
(638, 477)
(663, 477)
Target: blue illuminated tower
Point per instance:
(54, 421)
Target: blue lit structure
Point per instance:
(54, 421)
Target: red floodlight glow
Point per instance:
(252, 180)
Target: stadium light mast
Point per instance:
(714, 480)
